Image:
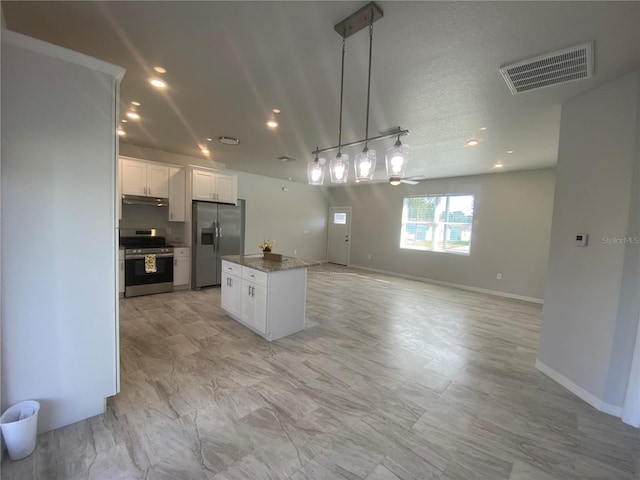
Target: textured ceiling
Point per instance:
(435, 72)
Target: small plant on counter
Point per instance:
(267, 245)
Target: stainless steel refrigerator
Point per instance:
(218, 230)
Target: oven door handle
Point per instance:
(142, 256)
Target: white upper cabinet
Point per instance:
(214, 187)
(134, 177)
(226, 188)
(157, 180)
(177, 194)
(204, 185)
(144, 178)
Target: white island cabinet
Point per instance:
(267, 297)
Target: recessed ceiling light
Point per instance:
(160, 69)
(276, 110)
(121, 132)
(209, 139)
(284, 158)
(509, 151)
(137, 104)
(156, 82)
(483, 128)
(133, 115)
(228, 140)
(124, 120)
(272, 123)
(472, 142)
(205, 151)
(498, 165)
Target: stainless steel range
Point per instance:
(148, 262)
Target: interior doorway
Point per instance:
(339, 241)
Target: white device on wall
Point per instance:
(581, 239)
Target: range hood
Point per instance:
(140, 200)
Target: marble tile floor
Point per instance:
(392, 379)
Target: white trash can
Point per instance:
(19, 425)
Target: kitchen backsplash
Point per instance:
(144, 216)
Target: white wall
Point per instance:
(296, 219)
(59, 297)
(511, 227)
(145, 153)
(591, 298)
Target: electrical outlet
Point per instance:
(499, 276)
(295, 252)
(369, 256)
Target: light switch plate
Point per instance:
(581, 239)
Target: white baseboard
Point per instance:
(580, 392)
(454, 285)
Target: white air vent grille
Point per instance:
(563, 66)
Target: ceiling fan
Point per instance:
(413, 180)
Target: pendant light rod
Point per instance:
(341, 95)
(366, 130)
(396, 133)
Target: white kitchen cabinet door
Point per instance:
(177, 192)
(230, 297)
(181, 266)
(204, 185)
(254, 305)
(226, 188)
(157, 180)
(134, 177)
(180, 271)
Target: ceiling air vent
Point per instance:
(563, 66)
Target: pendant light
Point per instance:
(396, 161)
(339, 166)
(315, 171)
(364, 162)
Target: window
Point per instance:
(437, 223)
(340, 218)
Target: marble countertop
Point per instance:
(259, 263)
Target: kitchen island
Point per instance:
(265, 296)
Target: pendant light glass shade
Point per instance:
(339, 168)
(396, 160)
(365, 165)
(315, 171)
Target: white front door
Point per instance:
(339, 235)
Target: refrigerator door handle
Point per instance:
(219, 235)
